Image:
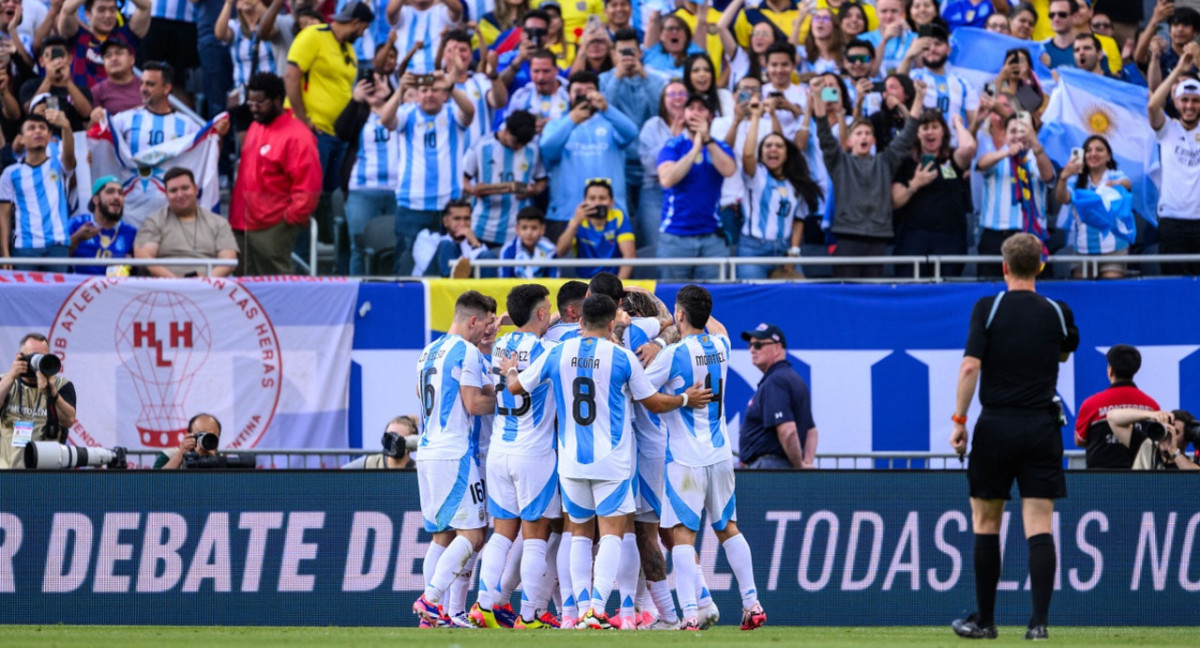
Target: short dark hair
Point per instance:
(459, 35)
(599, 182)
(474, 302)
(608, 284)
(531, 213)
(35, 118)
(267, 83)
(569, 293)
(1092, 37)
(627, 34)
(457, 203)
(536, 13)
(859, 43)
(696, 303)
(168, 72)
(55, 41)
(175, 172)
(1073, 4)
(1186, 16)
(523, 299)
(780, 48)
(584, 76)
(544, 54)
(522, 125)
(35, 336)
(1023, 255)
(1125, 361)
(598, 311)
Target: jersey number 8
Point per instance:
(583, 407)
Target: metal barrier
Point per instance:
(208, 264)
(272, 458)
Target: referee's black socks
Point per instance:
(1042, 561)
(987, 575)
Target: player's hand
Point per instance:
(698, 396)
(648, 352)
(507, 362)
(958, 439)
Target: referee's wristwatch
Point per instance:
(961, 420)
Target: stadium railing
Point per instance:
(208, 264)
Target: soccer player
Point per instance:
(596, 383)
(522, 478)
(570, 306)
(452, 389)
(700, 475)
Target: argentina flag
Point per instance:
(1086, 104)
(977, 55)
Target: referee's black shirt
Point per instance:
(1021, 349)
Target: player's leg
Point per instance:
(628, 569)
(651, 474)
(721, 504)
(614, 505)
(681, 513)
(460, 510)
(537, 490)
(579, 506)
(502, 504)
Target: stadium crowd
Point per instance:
(450, 131)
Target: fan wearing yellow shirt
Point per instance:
(689, 12)
(574, 14)
(781, 14)
(835, 6)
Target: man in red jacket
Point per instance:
(278, 180)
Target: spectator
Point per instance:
(971, 13)
(429, 171)
(1179, 141)
(18, 24)
(575, 15)
(545, 97)
(634, 92)
(595, 50)
(217, 80)
(424, 22)
(1023, 20)
(121, 89)
(732, 130)
(701, 19)
(922, 13)
(1016, 78)
(1060, 49)
(1161, 61)
(666, 124)
(700, 78)
(251, 35)
(691, 167)
(894, 37)
(515, 59)
(101, 234)
(530, 244)
(997, 23)
(898, 93)
(479, 87)
(779, 16)
(859, 77)
(103, 22)
(780, 193)
(823, 46)
(184, 229)
(1092, 431)
(852, 21)
(670, 43)
(503, 171)
(598, 230)
(931, 194)
(618, 15)
(948, 91)
(1087, 54)
(788, 98)
(368, 124)
(501, 30)
(861, 184)
(555, 39)
(278, 180)
(449, 253)
(1014, 190)
(320, 81)
(74, 100)
(750, 59)
(172, 39)
(588, 142)
(33, 195)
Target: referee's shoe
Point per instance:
(969, 628)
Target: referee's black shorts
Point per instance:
(1025, 445)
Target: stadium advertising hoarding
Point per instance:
(345, 548)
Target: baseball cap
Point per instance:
(765, 331)
(694, 97)
(1188, 87)
(550, 4)
(355, 10)
(103, 180)
(114, 41)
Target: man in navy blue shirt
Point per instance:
(778, 431)
(691, 167)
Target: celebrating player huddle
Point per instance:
(583, 442)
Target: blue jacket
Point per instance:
(574, 154)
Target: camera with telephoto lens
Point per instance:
(46, 364)
(48, 455)
(207, 441)
(396, 445)
(1156, 431)
(193, 461)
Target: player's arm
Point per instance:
(643, 385)
(479, 400)
(714, 327)
(521, 382)
(694, 396)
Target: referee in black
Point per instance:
(1015, 342)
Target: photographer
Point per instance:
(38, 405)
(202, 439)
(1162, 437)
(395, 455)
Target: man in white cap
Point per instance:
(1179, 142)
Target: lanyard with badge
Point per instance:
(23, 429)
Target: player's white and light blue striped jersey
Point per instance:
(481, 427)
(39, 198)
(490, 162)
(999, 209)
(550, 106)
(143, 129)
(515, 250)
(696, 437)
(429, 170)
(241, 50)
(181, 10)
(647, 426)
(523, 425)
(595, 383)
(424, 26)
(377, 157)
(562, 331)
(1088, 239)
(477, 87)
(443, 369)
(771, 207)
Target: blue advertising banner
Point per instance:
(346, 548)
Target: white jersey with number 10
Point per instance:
(595, 384)
(696, 437)
(444, 368)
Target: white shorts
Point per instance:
(452, 495)
(522, 487)
(584, 498)
(692, 491)
(650, 488)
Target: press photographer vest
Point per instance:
(25, 403)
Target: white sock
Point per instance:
(628, 567)
(495, 553)
(456, 598)
(432, 555)
(608, 559)
(453, 561)
(642, 596)
(684, 558)
(533, 571)
(546, 586)
(703, 596)
(661, 592)
(581, 571)
(563, 564)
(512, 574)
(737, 552)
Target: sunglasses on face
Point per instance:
(759, 345)
(859, 58)
(1101, 25)
(1059, 14)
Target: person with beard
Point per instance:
(949, 92)
(101, 234)
(1179, 139)
(278, 180)
(103, 23)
